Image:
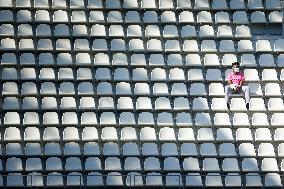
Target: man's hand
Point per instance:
(238, 88)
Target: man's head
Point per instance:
(236, 67)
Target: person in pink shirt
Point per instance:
(235, 85)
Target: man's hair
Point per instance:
(236, 63)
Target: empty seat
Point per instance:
(147, 133)
(53, 163)
(200, 104)
(162, 103)
(188, 149)
(272, 89)
(72, 148)
(272, 179)
(197, 89)
(233, 179)
(110, 148)
(208, 149)
(190, 46)
(70, 134)
(49, 103)
(190, 164)
(249, 164)
(253, 179)
(244, 134)
(226, 46)
(171, 164)
(210, 164)
(181, 103)
(194, 180)
(12, 149)
(211, 60)
(60, 16)
(259, 119)
(224, 134)
(275, 104)
(205, 134)
(73, 163)
(216, 89)
(266, 149)
(238, 104)
(202, 119)
(278, 135)
(183, 119)
(109, 133)
(204, 17)
(222, 17)
(52, 148)
(278, 45)
(31, 134)
(208, 46)
(160, 89)
(258, 17)
(257, 104)
(128, 133)
(51, 134)
(206, 31)
(240, 17)
(12, 133)
(269, 75)
(195, 75)
(225, 31)
(167, 133)
(164, 119)
(188, 31)
(246, 149)
(227, 149)
(185, 134)
(262, 134)
(6, 15)
(9, 74)
(230, 164)
(222, 119)
(213, 75)
(186, 16)
(275, 17)
(240, 119)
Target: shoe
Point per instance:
(228, 106)
(247, 106)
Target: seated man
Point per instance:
(236, 81)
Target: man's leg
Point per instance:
(228, 92)
(246, 92)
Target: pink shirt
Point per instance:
(236, 78)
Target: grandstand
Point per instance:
(130, 93)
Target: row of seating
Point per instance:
(147, 4)
(161, 118)
(57, 16)
(132, 31)
(134, 164)
(129, 149)
(141, 89)
(140, 104)
(138, 74)
(152, 45)
(136, 179)
(155, 60)
(146, 134)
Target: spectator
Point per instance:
(235, 85)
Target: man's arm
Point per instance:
(229, 82)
